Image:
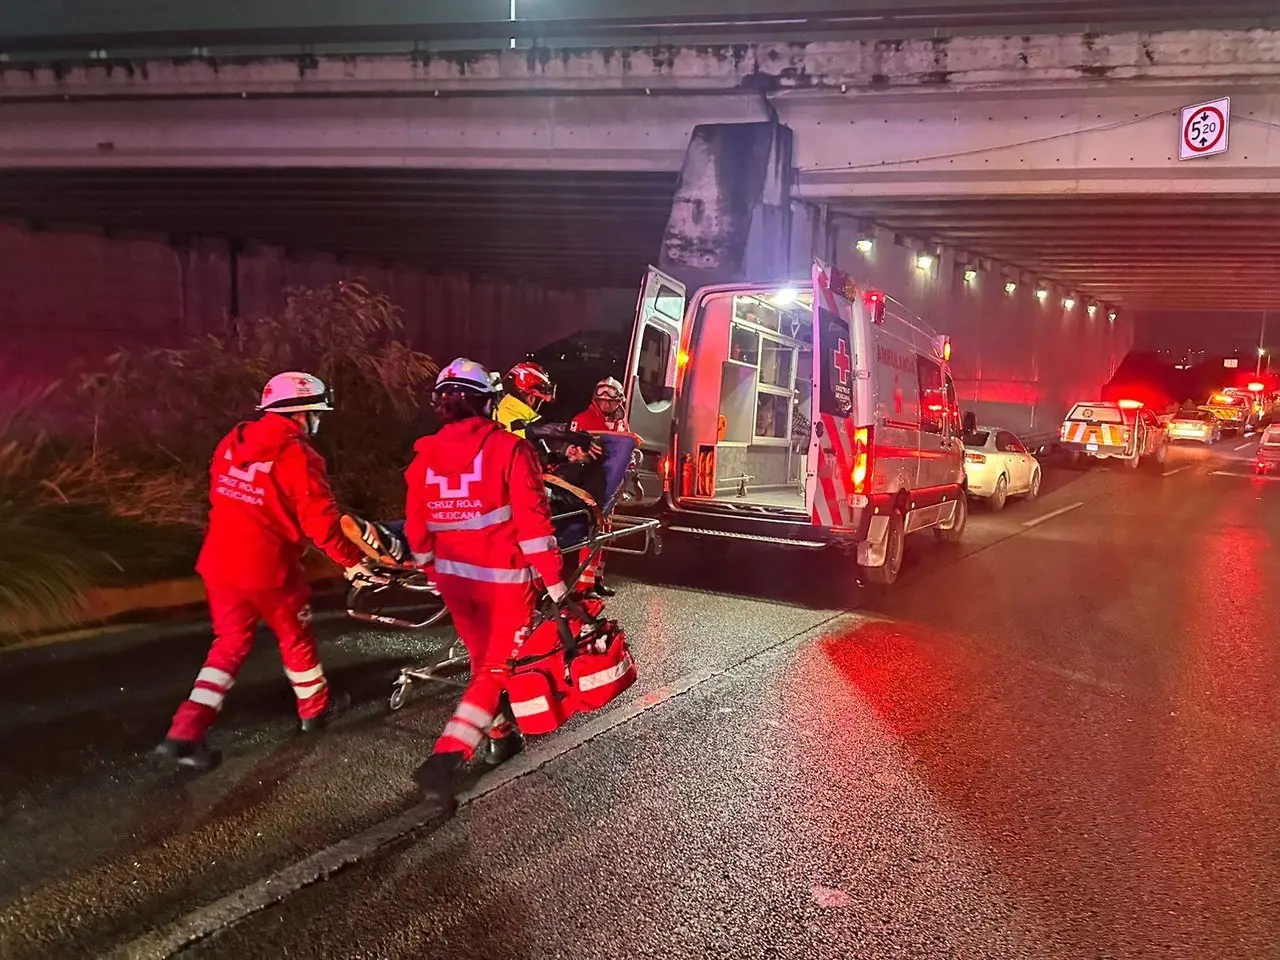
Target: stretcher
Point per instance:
(582, 498)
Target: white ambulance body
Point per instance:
(809, 415)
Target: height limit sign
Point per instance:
(1204, 129)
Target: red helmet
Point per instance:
(531, 383)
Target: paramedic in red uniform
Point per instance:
(477, 516)
(604, 415)
(269, 496)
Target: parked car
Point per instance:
(1200, 425)
(1268, 456)
(997, 466)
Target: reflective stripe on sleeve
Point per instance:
(464, 732)
(216, 677)
(485, 520)
(207, 697)
(537, 545)
(470, 571)
(424, 558)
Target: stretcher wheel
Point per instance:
(398, 696)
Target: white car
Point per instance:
(997, 467)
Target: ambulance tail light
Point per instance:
(664, 471)
(863, 459)
(875, 305)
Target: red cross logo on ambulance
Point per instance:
(840, 359)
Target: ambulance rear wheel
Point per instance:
(886, 574)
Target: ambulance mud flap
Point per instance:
(872, 550)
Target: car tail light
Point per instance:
(974, 458)
(863, 459)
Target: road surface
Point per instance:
(1059, 739)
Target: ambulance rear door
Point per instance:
(839, 450)
(652, 368)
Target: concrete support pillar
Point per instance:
(731, 218)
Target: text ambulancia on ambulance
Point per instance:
(807, 415)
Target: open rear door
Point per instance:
(836, 448)
(652, 366)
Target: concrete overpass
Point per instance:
(1047, 161)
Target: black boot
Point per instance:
(504, 738)
(339, 703)
(193, 754)
(438, 777)
(603, 591)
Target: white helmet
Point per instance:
(608, 389)
(467, 376)
(296, 392)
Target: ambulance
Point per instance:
(807, 415)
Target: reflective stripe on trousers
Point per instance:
(306, 683)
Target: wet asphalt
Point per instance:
(1057, 739)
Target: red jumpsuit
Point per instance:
(592, 420)
(477, 510)
(269, 495)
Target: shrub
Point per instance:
(123, 495)
(155, 417)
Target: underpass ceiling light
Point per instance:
(924, 261)
(1093, 309)
(970, 274)
(1111, 315)
(1069, 303)
(1010, 286)
(1042, 294)
(865, 245)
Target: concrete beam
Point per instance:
(1117, 138)
(528, 133)
(1195, 57)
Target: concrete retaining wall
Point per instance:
(66, 295)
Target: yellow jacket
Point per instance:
(512, 408)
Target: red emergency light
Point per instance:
(875, 304)
(1256, 387)
(1131, 404)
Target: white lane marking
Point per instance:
(1050, 516)
(1245, 476)
(1246, 444)
(1175, 471)
(207, 921)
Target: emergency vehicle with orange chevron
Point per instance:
(1122, 430)
(807, 415)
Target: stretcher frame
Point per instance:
(386, 578)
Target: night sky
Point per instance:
(1219, 334)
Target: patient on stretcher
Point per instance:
(580, 494)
